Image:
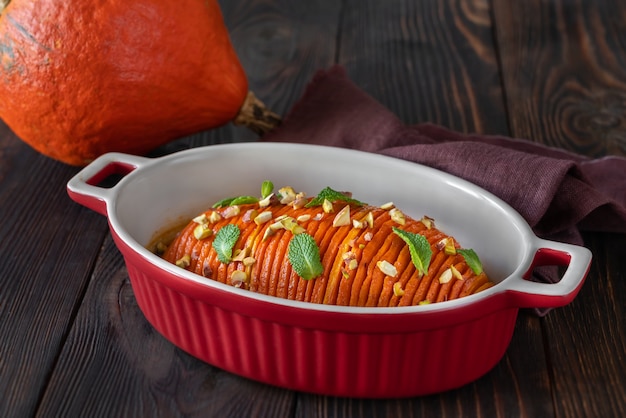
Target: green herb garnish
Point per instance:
(223, 203)
(266, 188)
(304, 256)
(332, 196)
(472, 260)
(419, 248)
(224, 242)
(243, 200)
(231, 201)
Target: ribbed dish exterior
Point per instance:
(325, 362)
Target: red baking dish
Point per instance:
(330, 350)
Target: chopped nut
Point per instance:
(368, 236)
(248, 261)
(457, 274)
(318, 217)
(366, 221)
(397, 216)
(387, 268)
(299, 201)
(446, 276)
(450, 248)
(353, 264)
(201, 219)
(343, 217)
(266, 201)
(240, 254)
(441, 244)
(276, 226)
(249, 215)
(287, 195)
(238, 278)
(268, 233)
(287, 222)
(327, 206)
(231, 211)
(387, 206)
(397, 289)
(303, 218)
(202, 231)
(291, 225)
(348, 255)
(263, 217)
(184, 261)
(428, 222)
(215, 217)
(369, 219)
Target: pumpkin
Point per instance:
(348, 253)
(85, 77)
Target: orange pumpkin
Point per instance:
(81, 78)
(361, 265)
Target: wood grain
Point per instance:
(44, 270)
(586, 342)
(427, 61)
(564, 72)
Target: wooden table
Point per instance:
(74, 343)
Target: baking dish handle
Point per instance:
(529, 294)
(85, 187)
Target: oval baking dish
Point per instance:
(330, 350)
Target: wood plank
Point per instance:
(46, 261)
(565, 80)
(427, 61)
(114, 364)
(564, 72)
(587, 341)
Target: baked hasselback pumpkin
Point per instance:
(330, 249)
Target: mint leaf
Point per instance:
(472, 260)
(223, 203)
(419, 248)
(266, 188)
(243, 200)
(231, 201)
(304, 256)
(332, 196)
(224, 242)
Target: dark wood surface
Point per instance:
(74, 343)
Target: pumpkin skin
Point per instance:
(86, 77)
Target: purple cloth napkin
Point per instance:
(557, 192)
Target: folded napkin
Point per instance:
(557, 192)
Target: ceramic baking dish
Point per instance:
(341, 351)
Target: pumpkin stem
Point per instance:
(255, 116)
(3, 5)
